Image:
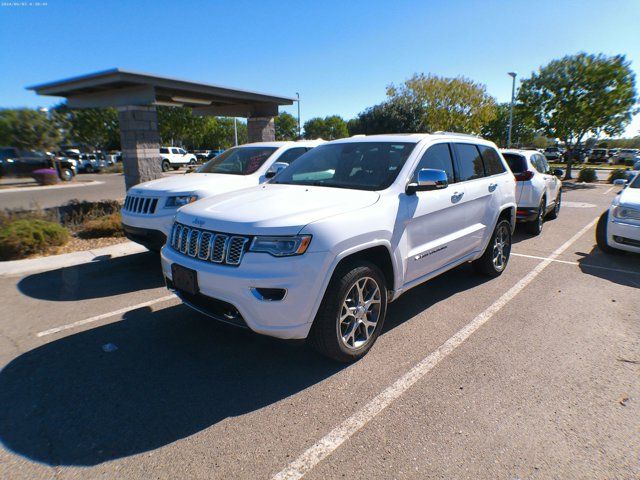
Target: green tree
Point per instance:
(327, 128)
(28, 129)
(579, 95)
(391, 116)
(286, 127)
(93, 128)
(178, 126)
(496, 130)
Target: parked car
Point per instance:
(538, 188)
(21, 163)
(202, 155)
(553, 153)
(149, 208)
(91, 163)
(321, 249)
(174, 157)
(599, 155)
(619, 227)
(626, 156)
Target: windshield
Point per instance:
(238, 161)
(361, 165)
(635, 183)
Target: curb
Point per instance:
(32, 265)
(50, 187)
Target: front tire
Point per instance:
(601, 234)
(66, 175)
(352, 313)
(495, 258)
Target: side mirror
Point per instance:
(558, 172)
(619, 181)
(275, 169)
(428, 179)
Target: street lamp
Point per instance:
(299, 131)
(513, 75)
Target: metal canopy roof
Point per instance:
(116, 87)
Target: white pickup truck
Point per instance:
(175, 157)
(149, 208)
(320, 249)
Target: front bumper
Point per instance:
(623, 236)
(303, 277)
(152, 239)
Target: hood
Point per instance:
(273, 209)
(204, 183)
(630, 197)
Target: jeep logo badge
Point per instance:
(197, 221)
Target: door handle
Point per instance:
(456, 196)
(492, 186)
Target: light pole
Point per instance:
(299, 131)
(235, 130)
(513, 75)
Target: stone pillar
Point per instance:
(261, 129)
(140, 144)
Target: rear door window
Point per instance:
(470, 165)
(492, 163)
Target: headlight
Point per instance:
(281, 246)
(622, 212)
(179, 201)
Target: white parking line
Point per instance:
(608, 190)
(328, 444)
(103, 316)
(582, 265)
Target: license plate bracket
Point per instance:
(184, 279)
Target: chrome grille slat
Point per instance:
(140, 205)
(209, 246)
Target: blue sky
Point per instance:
(340, 55)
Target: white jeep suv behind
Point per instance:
(149, 208)
(322, 248)
(538, 188)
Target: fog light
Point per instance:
(269, 294)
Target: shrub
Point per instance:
(587, 175)
(107, 226)
(616, 174)
(76, 213)
(24, 237)
(45, 176)
(117, 168)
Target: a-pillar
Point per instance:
(261, 129)
(140, 144)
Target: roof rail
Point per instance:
(457, 134)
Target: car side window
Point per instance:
(537, 164)
(164, 150)
(470, 164)
(545, 164)
(174, 151)
(492, 163)
(438, 157)
(291, 154)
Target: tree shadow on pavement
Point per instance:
(98, 279)
(174, 373)
(620, 267)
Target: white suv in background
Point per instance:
(619, 227)
(322, 248)
(175, 157)
(538, 188)
(149, 208)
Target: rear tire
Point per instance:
(352, 313)
(495, 258)
(175, 168)
(534, 227)
(165, 166)
(601, 234)
(66, 175)
(553, 214)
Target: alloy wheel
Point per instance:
(501, 248)
(359, 313)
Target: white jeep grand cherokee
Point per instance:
(619, 227)
(322, 248)
(149, 208)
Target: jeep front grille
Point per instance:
(209, 246)
(142, 205)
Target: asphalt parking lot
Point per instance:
(531, 375)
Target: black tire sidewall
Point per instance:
(166, 166)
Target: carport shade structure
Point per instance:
(136, 95)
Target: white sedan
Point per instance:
(619, 227)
